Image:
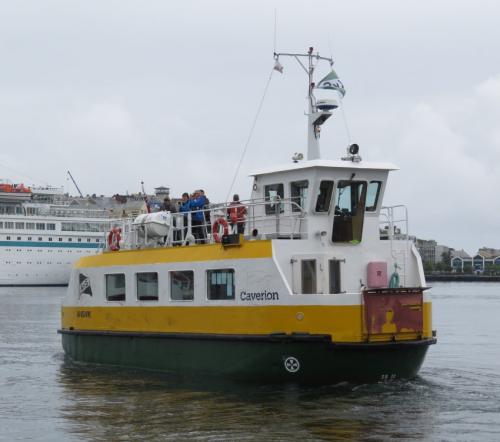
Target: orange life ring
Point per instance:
(114, 237)
(215, 228)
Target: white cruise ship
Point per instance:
(42, 235)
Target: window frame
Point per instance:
(270, 206)
(147, 298)
(106, 287)
(208, 273)
(332, 193)
(315, 279)
(295, 207)
(373, 208)
(170, 285)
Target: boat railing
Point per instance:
(264, 218)
(393, 223)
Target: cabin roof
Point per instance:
(331, 164)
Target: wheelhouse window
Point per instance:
(298, 192)
(220, 284)
(372, 195)
(115, 287)
(182, 285)
(147, 286)
(324, 196)
(274, 193)
(349, 211)
(308, 276)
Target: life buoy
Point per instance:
(215, 228)
(114, 237)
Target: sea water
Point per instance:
(43, 397)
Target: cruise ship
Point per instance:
(42, 235)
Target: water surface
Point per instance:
(43, 397)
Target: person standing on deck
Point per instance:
(237, 213)
(197, 204)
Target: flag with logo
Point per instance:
(85, 288)
(331, 81)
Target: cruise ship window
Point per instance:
(50, 239)
(60, 239)
(70, 239)
(79, 239)
(147, 286)
(298, 192)
(9, 225)
(40, 238)
(274, 193)
(8, 238)
(29, 238)
(220, 284)
(182, 285)
(324, 196)
(51, 226)
(88, 239)
(308, 267)
(115, 287)
(40, 226)
(372, 195)
(1, 224)
(19, 238)
(30, 225)
(20, 226)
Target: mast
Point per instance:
(74, 182)
(318, 110)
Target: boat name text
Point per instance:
(259, 296)
(83, 314)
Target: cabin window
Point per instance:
(1, 224)
(274, 193)
(324, 196)
(9, 225)
(349, 211)
(308, 276)
(298, 192)
(30, 225)
(40, 226)
(115, 287)
(220, 284)
(147, 286)
(51, 226)
(372, 195)
(334, 271)
(182, 285)
(20, 226)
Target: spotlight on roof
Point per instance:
(297, 156)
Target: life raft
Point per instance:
(216, 229)
(114, 237)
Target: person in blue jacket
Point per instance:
(184, 207)
(197, 204)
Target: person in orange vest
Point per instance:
(236, 213)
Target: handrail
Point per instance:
(283, 220)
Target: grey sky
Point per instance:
(165, 92)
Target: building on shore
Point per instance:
(485, 258)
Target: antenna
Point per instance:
(319, 110)
(74, 182)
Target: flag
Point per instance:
(85, 288)
(331, 81)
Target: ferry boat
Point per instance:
(303, 294)
(41, 235)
